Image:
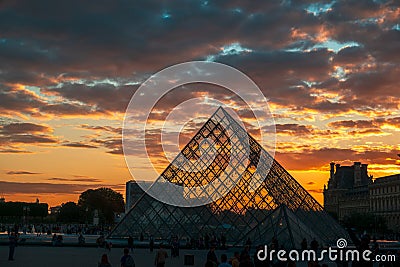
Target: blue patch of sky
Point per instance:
(92, 83)
(335, 46)
(319, 8)
(231, 49)
(339, 74)
(330, 45)
(286, 3)
(36, 90)
(166, 15)
(237, 10)
(367, 21)
(310, 83)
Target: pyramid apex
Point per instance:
(221, 108)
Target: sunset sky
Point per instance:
(330, 70)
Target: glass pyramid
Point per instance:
(260, 200)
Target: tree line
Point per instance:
(106, 201)
(103, 201)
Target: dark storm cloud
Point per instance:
(291, 129)
(127, 39)
(16, 101)
(352, 124)
(25, 133)
(114, 145)
(21, 172)
(78, 145)
(69, 109)
(83, 179)
(363, 124)
(116, 130)
(14, 151)
(102, 97)
(17, 187)
(351, 55)
(29, 139)
(22, 128)
(317, 158)
(38, 188)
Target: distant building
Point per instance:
(133, 192)
(55, 210)
(351, 190)
(385, 200)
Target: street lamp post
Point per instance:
(25, 215)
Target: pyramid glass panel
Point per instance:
(261, 200)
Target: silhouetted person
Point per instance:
(314, 244)
(211, 256)
(224, 261)
(100, 241)
(375, 247)
(364, 245)
(246, 261)
(175, 247)
(54, 240)
(12, 244)
(151, 244)
(235, 261)
(245, 252)
(161, 257)
(81, 239)
(130, 243)
(108, 246)
(248, 242)
(126, 259)
(207, 241)
(304, 244)
(223, 241)
(274, 243)
(104, 261)
(260, 263)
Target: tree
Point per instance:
(70, 212)
(105, 200)
(20, 209)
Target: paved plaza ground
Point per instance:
(43, 256)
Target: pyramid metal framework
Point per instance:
(275, 206)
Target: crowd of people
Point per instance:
(245, 258)
(50, 228)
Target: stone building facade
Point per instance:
(351, 190)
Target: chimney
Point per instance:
(364, 172)
(364, 168)
(357, 173)
(332, 176)
(337, 167)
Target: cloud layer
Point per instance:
(329, 70)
